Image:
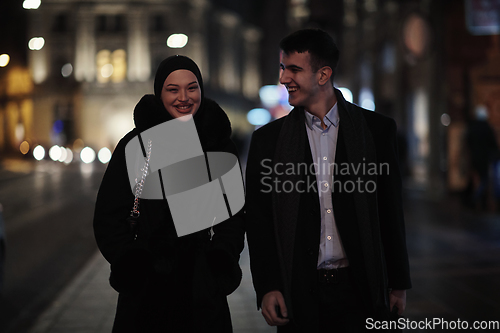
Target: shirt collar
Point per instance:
(332, 117)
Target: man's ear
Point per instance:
(324, 75)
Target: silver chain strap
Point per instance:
(139, 185)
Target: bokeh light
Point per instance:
(270, 95)
(445, 119)
(39, 153)
(367, 99)
(87, 155)
(69, 156)
(104, 155)
(177, 41)
(4, 60)
(55, 153)
(64, 154)
(346, 93)
(58, 126)
(66, 70)
(368, 104)
(31, 4)
(24, 147)
(78, 145)
(258, 116)
(107, 70)
(36, 43)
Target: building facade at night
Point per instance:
(427, 64)
(99, 58)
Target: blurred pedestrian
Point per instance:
(483, 151)
(168, 283)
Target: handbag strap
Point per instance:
(134, 213)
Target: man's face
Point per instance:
(299, 79)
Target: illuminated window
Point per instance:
(119, 62)
(104, 71)
(111, 66)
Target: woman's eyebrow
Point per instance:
(176, 85)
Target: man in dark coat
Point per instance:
(326, 240)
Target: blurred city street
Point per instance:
(47, 211)
(56, 280)
(72, 73)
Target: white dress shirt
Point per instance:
(323, 144)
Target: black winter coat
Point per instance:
(166, 283)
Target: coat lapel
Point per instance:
(359, 150)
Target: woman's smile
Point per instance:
(184, 107)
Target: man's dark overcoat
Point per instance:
(283, 228)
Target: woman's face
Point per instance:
(181, 93)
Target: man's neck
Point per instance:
(322, 107)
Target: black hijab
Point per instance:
(211, 121)
(172, 64)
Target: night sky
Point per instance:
(13, 39)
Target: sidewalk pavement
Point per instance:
(87, 304)
(454, 259)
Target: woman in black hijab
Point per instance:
(168, 283)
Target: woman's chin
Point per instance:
(184, 117)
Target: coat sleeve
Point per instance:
(113, 205)
(131, 262)
(390, 205)
(259, 223)
(227, 243)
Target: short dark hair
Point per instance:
(318, 43)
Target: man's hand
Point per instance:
(397, 298)
(270, 301)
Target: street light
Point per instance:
(31, 4)
(4, 60)
(177, 41)
(36, 43)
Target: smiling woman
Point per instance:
(181, 93)
(166, 279)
